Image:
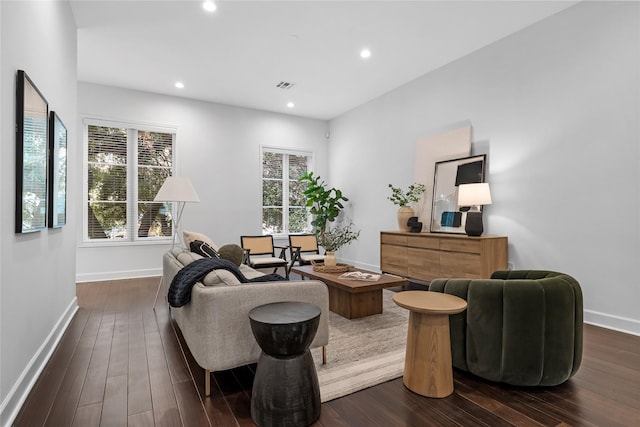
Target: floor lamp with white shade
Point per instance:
(175, 189)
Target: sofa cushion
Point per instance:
(220, 277)
(186, 257)
(190, 236)
(204, 249)
(249, 272)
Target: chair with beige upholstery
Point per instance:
(304, 249)
(260, 252)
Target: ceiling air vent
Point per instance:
(285, 85)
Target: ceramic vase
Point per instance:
(404, 213)
(330, 259)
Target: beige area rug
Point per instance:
(362, 352)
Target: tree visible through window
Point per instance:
(283, 203)
(125, 169)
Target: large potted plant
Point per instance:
(325, 205)
(403, 199)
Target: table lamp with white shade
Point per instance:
(474, 195)
(175, 189)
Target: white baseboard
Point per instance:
(20, 390)
(610, 321)
(357, 264)
(118, 275)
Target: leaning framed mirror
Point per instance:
(32, 118)
(446, 215)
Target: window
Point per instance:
(125, 169)
(283, 204)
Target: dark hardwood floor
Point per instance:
(121, 363)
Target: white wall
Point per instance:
(556, 109)
(37, 270)
(218, 147)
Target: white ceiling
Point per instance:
(238, 54)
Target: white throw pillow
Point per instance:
(190, 236)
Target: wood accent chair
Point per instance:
(260, 252)
(304, 249)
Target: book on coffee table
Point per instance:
(359, 275)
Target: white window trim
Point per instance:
(131, 154)
(283, 150)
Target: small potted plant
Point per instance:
(334, 238)
(403, 198)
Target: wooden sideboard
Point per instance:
(427, 256)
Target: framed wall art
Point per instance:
(446, 215)
(32, 118)
(57, 172)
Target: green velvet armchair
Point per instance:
(521, 327)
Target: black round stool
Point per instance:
(285, 387)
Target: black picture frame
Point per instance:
(32, 121)
(57, 171)
(446, 215)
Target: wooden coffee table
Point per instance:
(352, 298)
(427, 364)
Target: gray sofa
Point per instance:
(215, 324)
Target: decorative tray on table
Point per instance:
(338, 268)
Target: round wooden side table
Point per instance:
(285, 387)
(427, 365)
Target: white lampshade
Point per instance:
(177, 189)
(474, 194)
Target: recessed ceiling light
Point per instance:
(179, 85)
(365, 53)
(209, 6)
(290, 104)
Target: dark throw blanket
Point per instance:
(180, 289)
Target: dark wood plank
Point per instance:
(356, 415)
(507, 395)
(165, 406)
(138, 385)
(422, 411)
(38, 405)
(114, 407)
(143, 419)
(119, 355)
(178, 369)
(190, 405)
(330, 418)
(215, 405)
(235, 396)
(68, 395)
(94, 385)
(496, 407)
(88, 416)
(379, 415)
